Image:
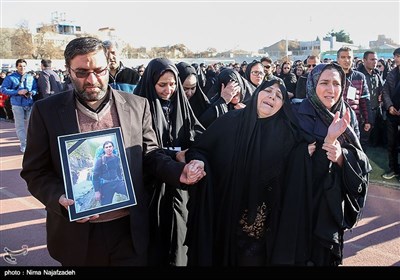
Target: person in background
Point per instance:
(391, 102)
(269, 68)
(243, 68)
(375, 85)
(382, 68)
(197, 99)
(49, 82)
(121, 77)
(9, 116)
(3, 112)
(300, 94)
(230, 92)
(21, 87)
(289, 78)
(119, 237)
(356, 93)
(140, 71)
(201, 74)
(255, 73)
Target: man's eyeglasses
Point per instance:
(267, 66)
(257, 73)
(311, 65)
(84, 74)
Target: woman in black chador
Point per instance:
(234, 213)
(176, 128)
(191, 85)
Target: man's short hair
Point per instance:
(396, 51)
(82, 46)
(46, 62)
(108, 43)
(20, 60)
(343, 49)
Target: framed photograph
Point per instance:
(96, 172)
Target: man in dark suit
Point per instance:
(114, 238)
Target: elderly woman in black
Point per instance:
(176, 128)
(234, 212)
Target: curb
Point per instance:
(385, 184)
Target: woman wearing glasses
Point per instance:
(288, 78)
(255, 73)
(383, 69)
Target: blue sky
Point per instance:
(224, 25)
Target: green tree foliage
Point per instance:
(341, 36)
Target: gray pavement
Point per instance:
(375, 241)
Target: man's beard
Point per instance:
(90, 96)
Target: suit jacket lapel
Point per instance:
(67, 114)
(125, 118)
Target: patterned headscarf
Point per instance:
(327, 115)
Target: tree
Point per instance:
(341, 36)
(5, 43)
(21, 42)
(45, 48)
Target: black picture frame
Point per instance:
(92, 175)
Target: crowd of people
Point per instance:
(255, 164)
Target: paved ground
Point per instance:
(375, 241)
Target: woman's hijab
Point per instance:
(185, 125)
(340, 106)
(247, 73)
(199, 101)
(227, 75)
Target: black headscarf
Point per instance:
(199, 101)
(247, 74)
(185, 125)
(224, 78)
